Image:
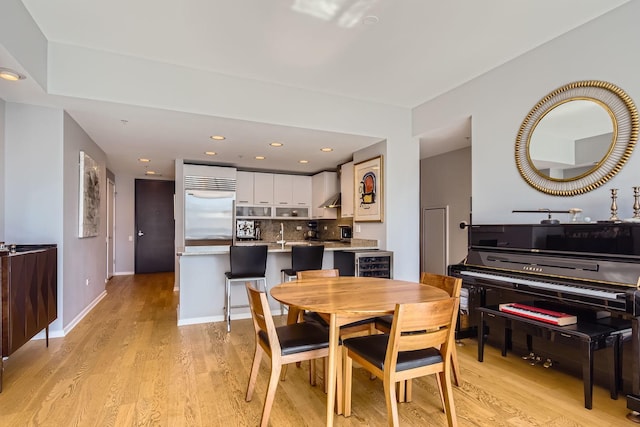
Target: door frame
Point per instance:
(111, 225)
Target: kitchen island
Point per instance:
(200, 277)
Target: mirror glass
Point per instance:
(572, 139)
(576, 138)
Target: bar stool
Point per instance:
(303, 257)
(248, 263)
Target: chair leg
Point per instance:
(391, 400)
(339, 382)
(312, 372)
(257, 357)
(401, 391)
(408, 391)
(347, 379)
(456, 366)
(450, 408)
(227, 308)
(439, 381)
(325, 363)
(271, 393)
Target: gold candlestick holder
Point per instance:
(614, 205)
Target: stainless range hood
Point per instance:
(331, 202)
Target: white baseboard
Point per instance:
(123, 273)
(59, 333)
(211, 319)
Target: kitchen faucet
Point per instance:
(281, 234)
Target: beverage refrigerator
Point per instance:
(364, 263)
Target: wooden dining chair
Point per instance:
(419, 344)
(452, 286)
(283, 344)
(350, 330)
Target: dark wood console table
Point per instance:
(28, 297)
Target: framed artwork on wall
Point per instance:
(369, 190)
(89, 196)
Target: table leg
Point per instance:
(334, 331)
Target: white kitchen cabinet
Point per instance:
(346, 190)
(283, 190)
(324, 185)
(244, 188)
(263, 188)
(301, 191)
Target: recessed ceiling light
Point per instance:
(9, 74)
(143, 160)
(303, 161)
(210, 153)
(260, 157)
(276, 144)
(217, 137)
(326, 149)
(370, 20)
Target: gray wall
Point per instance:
(445, 180)
(41, 202)
(499, 100)
(86, 258)
(34, 182)
(3, 159)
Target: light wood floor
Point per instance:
(127, 363)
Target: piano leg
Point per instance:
(481, 338)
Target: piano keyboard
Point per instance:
(542, 315)
(557, 287)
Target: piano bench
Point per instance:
(589, 336)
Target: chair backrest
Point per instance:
(306, 257)
(451, 285)
(317, 274)
(262, 319)
(423, 325)
(248, 260)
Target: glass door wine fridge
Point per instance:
(364, 263)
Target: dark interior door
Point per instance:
(155, 232)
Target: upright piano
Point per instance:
(594, 266)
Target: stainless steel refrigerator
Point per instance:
(209, 217)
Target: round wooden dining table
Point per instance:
(348, 299)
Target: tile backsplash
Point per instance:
(270, 228)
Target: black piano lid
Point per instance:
(595, 239)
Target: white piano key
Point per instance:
(609, 295)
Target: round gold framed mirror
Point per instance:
(576, 138)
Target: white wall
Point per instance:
(3, 158)
(34, 182)
(84, 259)
(445, 180)
(499, 101)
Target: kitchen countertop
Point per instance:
(330, 245)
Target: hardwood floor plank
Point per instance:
(128, 363)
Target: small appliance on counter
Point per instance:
(345, 233)
(246, 229)
(312, 231)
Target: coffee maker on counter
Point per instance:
(312, 231)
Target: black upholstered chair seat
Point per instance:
(230, 275)
(299, 337)
(373, 348)
(289, 271)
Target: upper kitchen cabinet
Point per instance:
(346, 190)
(283, 190)
(301, 190)
(244, 188)
(263, 188)
(324, 185)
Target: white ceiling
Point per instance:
(417, 50)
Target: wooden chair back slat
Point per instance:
(317, 274)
